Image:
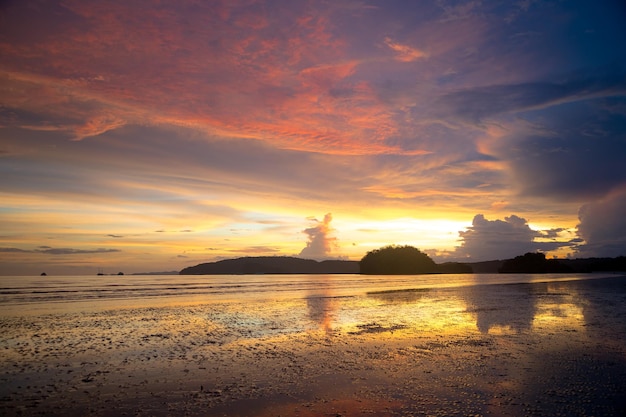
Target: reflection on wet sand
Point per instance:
(321, 305)
(492, 315)
(321, 309)
(513, 350)
(495, 309)
(427, 310)
(539, 308)
(559, 307)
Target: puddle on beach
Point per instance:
(525, 349)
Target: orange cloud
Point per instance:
(98, 125)
(499, 205)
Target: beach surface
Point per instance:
(526, 349)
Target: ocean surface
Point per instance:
(23, 295)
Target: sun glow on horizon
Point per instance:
(424, 234)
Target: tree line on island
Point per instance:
(402, 260)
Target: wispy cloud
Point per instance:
(70, 251)
(255, 250)
(405, 53)
(59, 251)
(97, 125)
(13, 250)
(476, 104)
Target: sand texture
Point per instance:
(556, 349)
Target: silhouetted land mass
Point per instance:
(397, 260)
(533, 263)
(486, 267)
(273, 265)
(583, 265)
(403, 260)
(617, 264)
(453, 268)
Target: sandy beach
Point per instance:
(536, 349)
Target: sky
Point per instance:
(153, 135)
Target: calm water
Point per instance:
(31, 295)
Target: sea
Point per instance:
(26, 295)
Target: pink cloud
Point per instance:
(98, 125)
(405, 53)
(235, 71)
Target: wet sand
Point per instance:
(503, 350)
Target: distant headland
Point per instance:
(273, 265)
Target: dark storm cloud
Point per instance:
(577, 154)
(603, 226)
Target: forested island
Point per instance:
(402, 260)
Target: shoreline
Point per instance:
(502, 349)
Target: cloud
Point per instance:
(458, 11)
(219, 72)
(13, 250)
(476, 104)
(575, 154)
(255, 250)
(603, 226)
(503, 239)
(320, 244)
(97, 125)
(558, 140)
(405, 53)
(59, 251)
(71, 251)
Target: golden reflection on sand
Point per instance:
(414, 311)
(540, 308)
(321, 306)
(559, 308)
